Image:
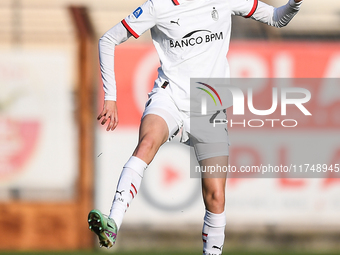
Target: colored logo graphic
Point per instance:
(138, 12)
(209, 93)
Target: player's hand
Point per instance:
(109, 112)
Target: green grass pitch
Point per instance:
(166, 252)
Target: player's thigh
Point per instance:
(215, 178)
(163, 106)
(218, 166)
(153, 133)
(155, 128)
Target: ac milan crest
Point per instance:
(214, 14)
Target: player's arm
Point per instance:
(142, 19)
(276, 17)
(107, 44)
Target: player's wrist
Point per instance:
(110, 98)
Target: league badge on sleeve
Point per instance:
(138, 12)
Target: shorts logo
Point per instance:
(138, 12)
(212, 89)
(165, 84)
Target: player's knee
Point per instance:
(215, 199)
(218, 197)
(148, 144)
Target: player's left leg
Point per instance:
(213, 185)
(211, 145)
(213, 190)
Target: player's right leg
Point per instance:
(153, 133)
(157, 126)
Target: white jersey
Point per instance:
(192, 37)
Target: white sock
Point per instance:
(213, 233)
(127, 188)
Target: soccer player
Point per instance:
(192, 40)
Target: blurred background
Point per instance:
(57, 162)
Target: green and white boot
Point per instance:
(104, 227)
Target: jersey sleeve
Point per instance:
(142, 19)
(276, 17)
(245, 8)
(107, 43)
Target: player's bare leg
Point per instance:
(213, 190)
(213, 185)
(152, 134)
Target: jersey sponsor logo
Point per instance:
(195, 31)
(138, 12)
(196, 38)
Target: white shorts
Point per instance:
(208, 141)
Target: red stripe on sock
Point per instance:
(204, 234)
(133, 196)
(133, 186)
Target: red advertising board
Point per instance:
(282, 199)
(136, 69)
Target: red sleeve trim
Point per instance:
(175, 2)
(256, 2)
(125, 24)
